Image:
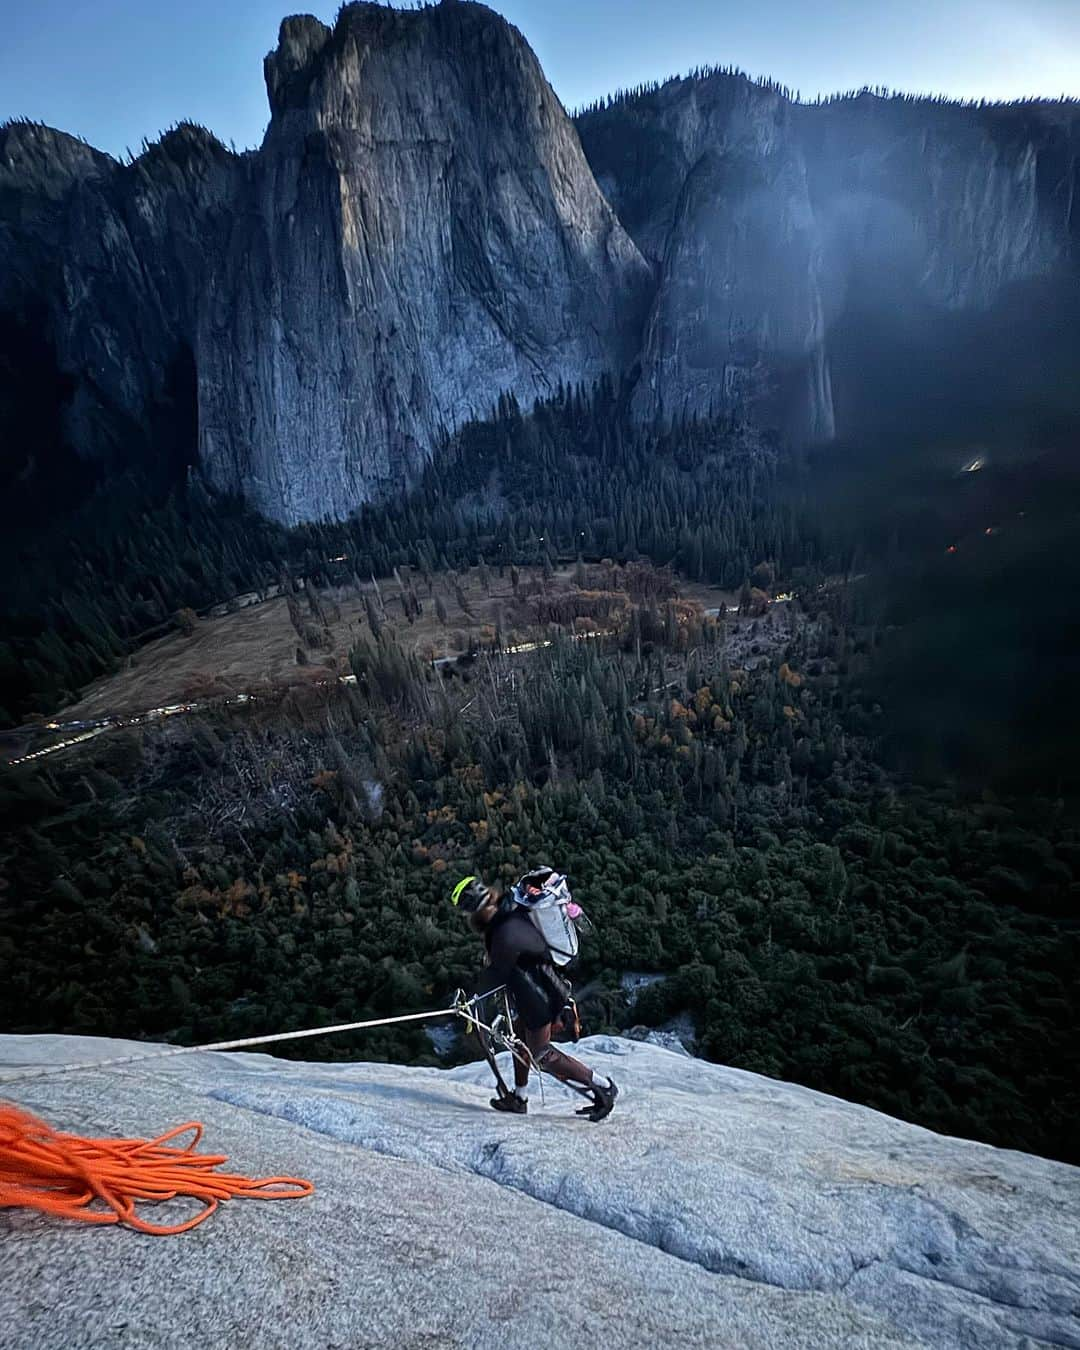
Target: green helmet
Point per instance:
(469, 894)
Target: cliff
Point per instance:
(716, 191)
(419, 233)
(713, 1208)
(773, 223)
(112, 259)
(422, 233)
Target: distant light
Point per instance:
(990, 529)
(952, 549)
(974, 465)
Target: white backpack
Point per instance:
(553, 912)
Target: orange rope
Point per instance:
(62, 1174)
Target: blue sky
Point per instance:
(115, 71)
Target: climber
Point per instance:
(519, 960)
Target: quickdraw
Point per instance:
(501, 1033)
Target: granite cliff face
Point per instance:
(114, 255)
(713, 1208)
(423, 230)
(717, 193)
(422, 233)
(770, 221)
(965, 201)
(419, 233)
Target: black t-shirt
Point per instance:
(513, 941)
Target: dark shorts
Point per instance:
(537, 998)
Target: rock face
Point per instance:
(422, 231)
(768, 220)
(419, 233)
(713, 1208)
(964, 201)
(716, 192)
(115, 256)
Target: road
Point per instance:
(77, 733)
(80, 732)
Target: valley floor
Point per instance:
(255, 648)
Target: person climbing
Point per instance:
(519, 960)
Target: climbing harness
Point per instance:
(485, 1036)
(501, 1033)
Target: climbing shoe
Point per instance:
(517, 1106)
(603, 1101)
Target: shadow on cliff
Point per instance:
(40, 474)
(42, 477)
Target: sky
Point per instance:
(116, 71)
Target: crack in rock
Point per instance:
(953, 1277)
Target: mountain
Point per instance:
(104, 264)
(712, 181)
(714, 1207)
(424, 230)
(421, 233)
(788, 237)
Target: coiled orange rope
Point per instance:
(63, 1174)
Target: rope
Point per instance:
(62, 1174)
(221, 1045)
